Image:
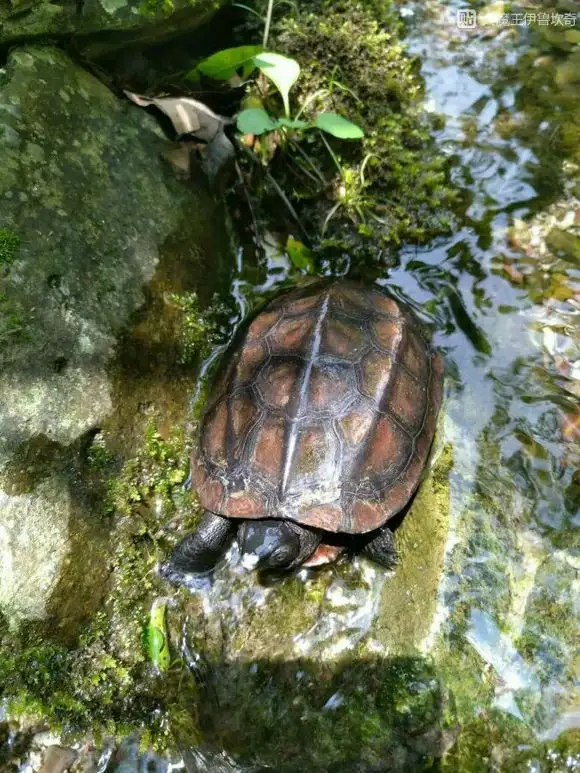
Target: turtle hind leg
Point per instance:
(200, 551)
(380, 548)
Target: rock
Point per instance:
(564, 245)
(102, 26)
(33, 544)
(339, 647)
(86, 205)
(57, 759)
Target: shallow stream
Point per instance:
(465, 658)
(488, 615)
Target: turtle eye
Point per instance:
(280, 557)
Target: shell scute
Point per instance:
(269, 447)
(244, 414)
(276, 381)
(375, 374)
(211, 494)
(386, 305)
(388, 449)
(405, 400)
(327, 516)
(344, 339)
(245, 504)
(301, 305)
(315, 448)
(415, 356)
(251, 359)
(367, 515)
(214, 436)
(292, 335)
(388, 334)
(262, 324)
(329, 389)
(356, 425)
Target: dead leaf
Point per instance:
(513, 273)
(187, 115)
(217, 161)
(570, 425)
(179, 156)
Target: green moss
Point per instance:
(355, 713)
(393, 184)
(156, 7)
(12, 319)
(199, 331)
(411, 596)
(102, 682)
(563, 243)
(9, 246)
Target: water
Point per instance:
(469, 648)
(503, 629)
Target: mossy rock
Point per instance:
(338, 655)
(101, 26)
(89, 209)
(564, 245)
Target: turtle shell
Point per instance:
(324, 413)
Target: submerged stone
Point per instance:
(337, 651)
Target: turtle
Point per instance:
(316, 433)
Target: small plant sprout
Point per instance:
(283, 72)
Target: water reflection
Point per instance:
(504, 307)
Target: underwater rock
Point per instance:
(57, 759)
(102, 26)
(86, 204)
(342, 653)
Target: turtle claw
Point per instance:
(381, 548)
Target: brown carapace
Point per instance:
(324, 414)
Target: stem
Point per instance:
(309, 161)
(332, 155)
(268, 21)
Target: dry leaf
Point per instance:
(179, 156)
(187, 115)
(570, 425)
(513, 273)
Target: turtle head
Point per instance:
(269, 544)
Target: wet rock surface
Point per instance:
(87, 204)
(465, 657)
(101, 26)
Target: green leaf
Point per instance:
(300, 255)
(294, 123)
(223, 64)
(255, 121)
(335, 124)
(282, 71)
(156, 636)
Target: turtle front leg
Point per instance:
(381, 548)
(200, 551)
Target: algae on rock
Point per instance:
(101, 26)
(87, 206)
